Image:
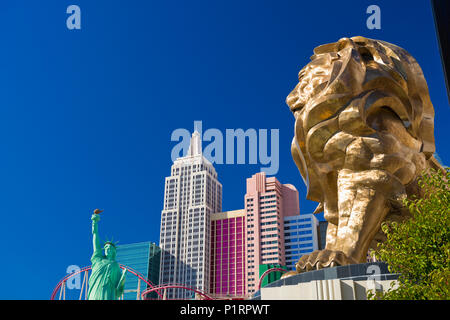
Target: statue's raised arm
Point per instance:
(95, 237)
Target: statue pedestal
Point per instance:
(338, 283)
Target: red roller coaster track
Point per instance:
(176, 286)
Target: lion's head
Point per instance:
(339, 94)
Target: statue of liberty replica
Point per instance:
(106, 282)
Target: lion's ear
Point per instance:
(324, 48)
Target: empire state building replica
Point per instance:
(192, 193)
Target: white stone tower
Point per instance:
(192, 193)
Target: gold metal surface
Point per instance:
(363, 135)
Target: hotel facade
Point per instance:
(267, 203)
(192, 194)
(143, 257)
(301, 236)
(228, 254)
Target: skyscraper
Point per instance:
(267, 202)
(192, 193)
(228, 254)
(300, 237)
(144, 258)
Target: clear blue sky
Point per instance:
(86, 116)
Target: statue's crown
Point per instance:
(111, 242)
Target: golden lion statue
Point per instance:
(363, 135)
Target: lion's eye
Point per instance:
(319, 72)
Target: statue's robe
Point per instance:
(104, 278)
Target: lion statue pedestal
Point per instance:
(350, 282)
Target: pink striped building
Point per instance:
(267, 202)
(227, 273)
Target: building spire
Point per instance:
(195, 148)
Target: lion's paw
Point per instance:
(320, 259)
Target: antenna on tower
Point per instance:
(195, 147)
